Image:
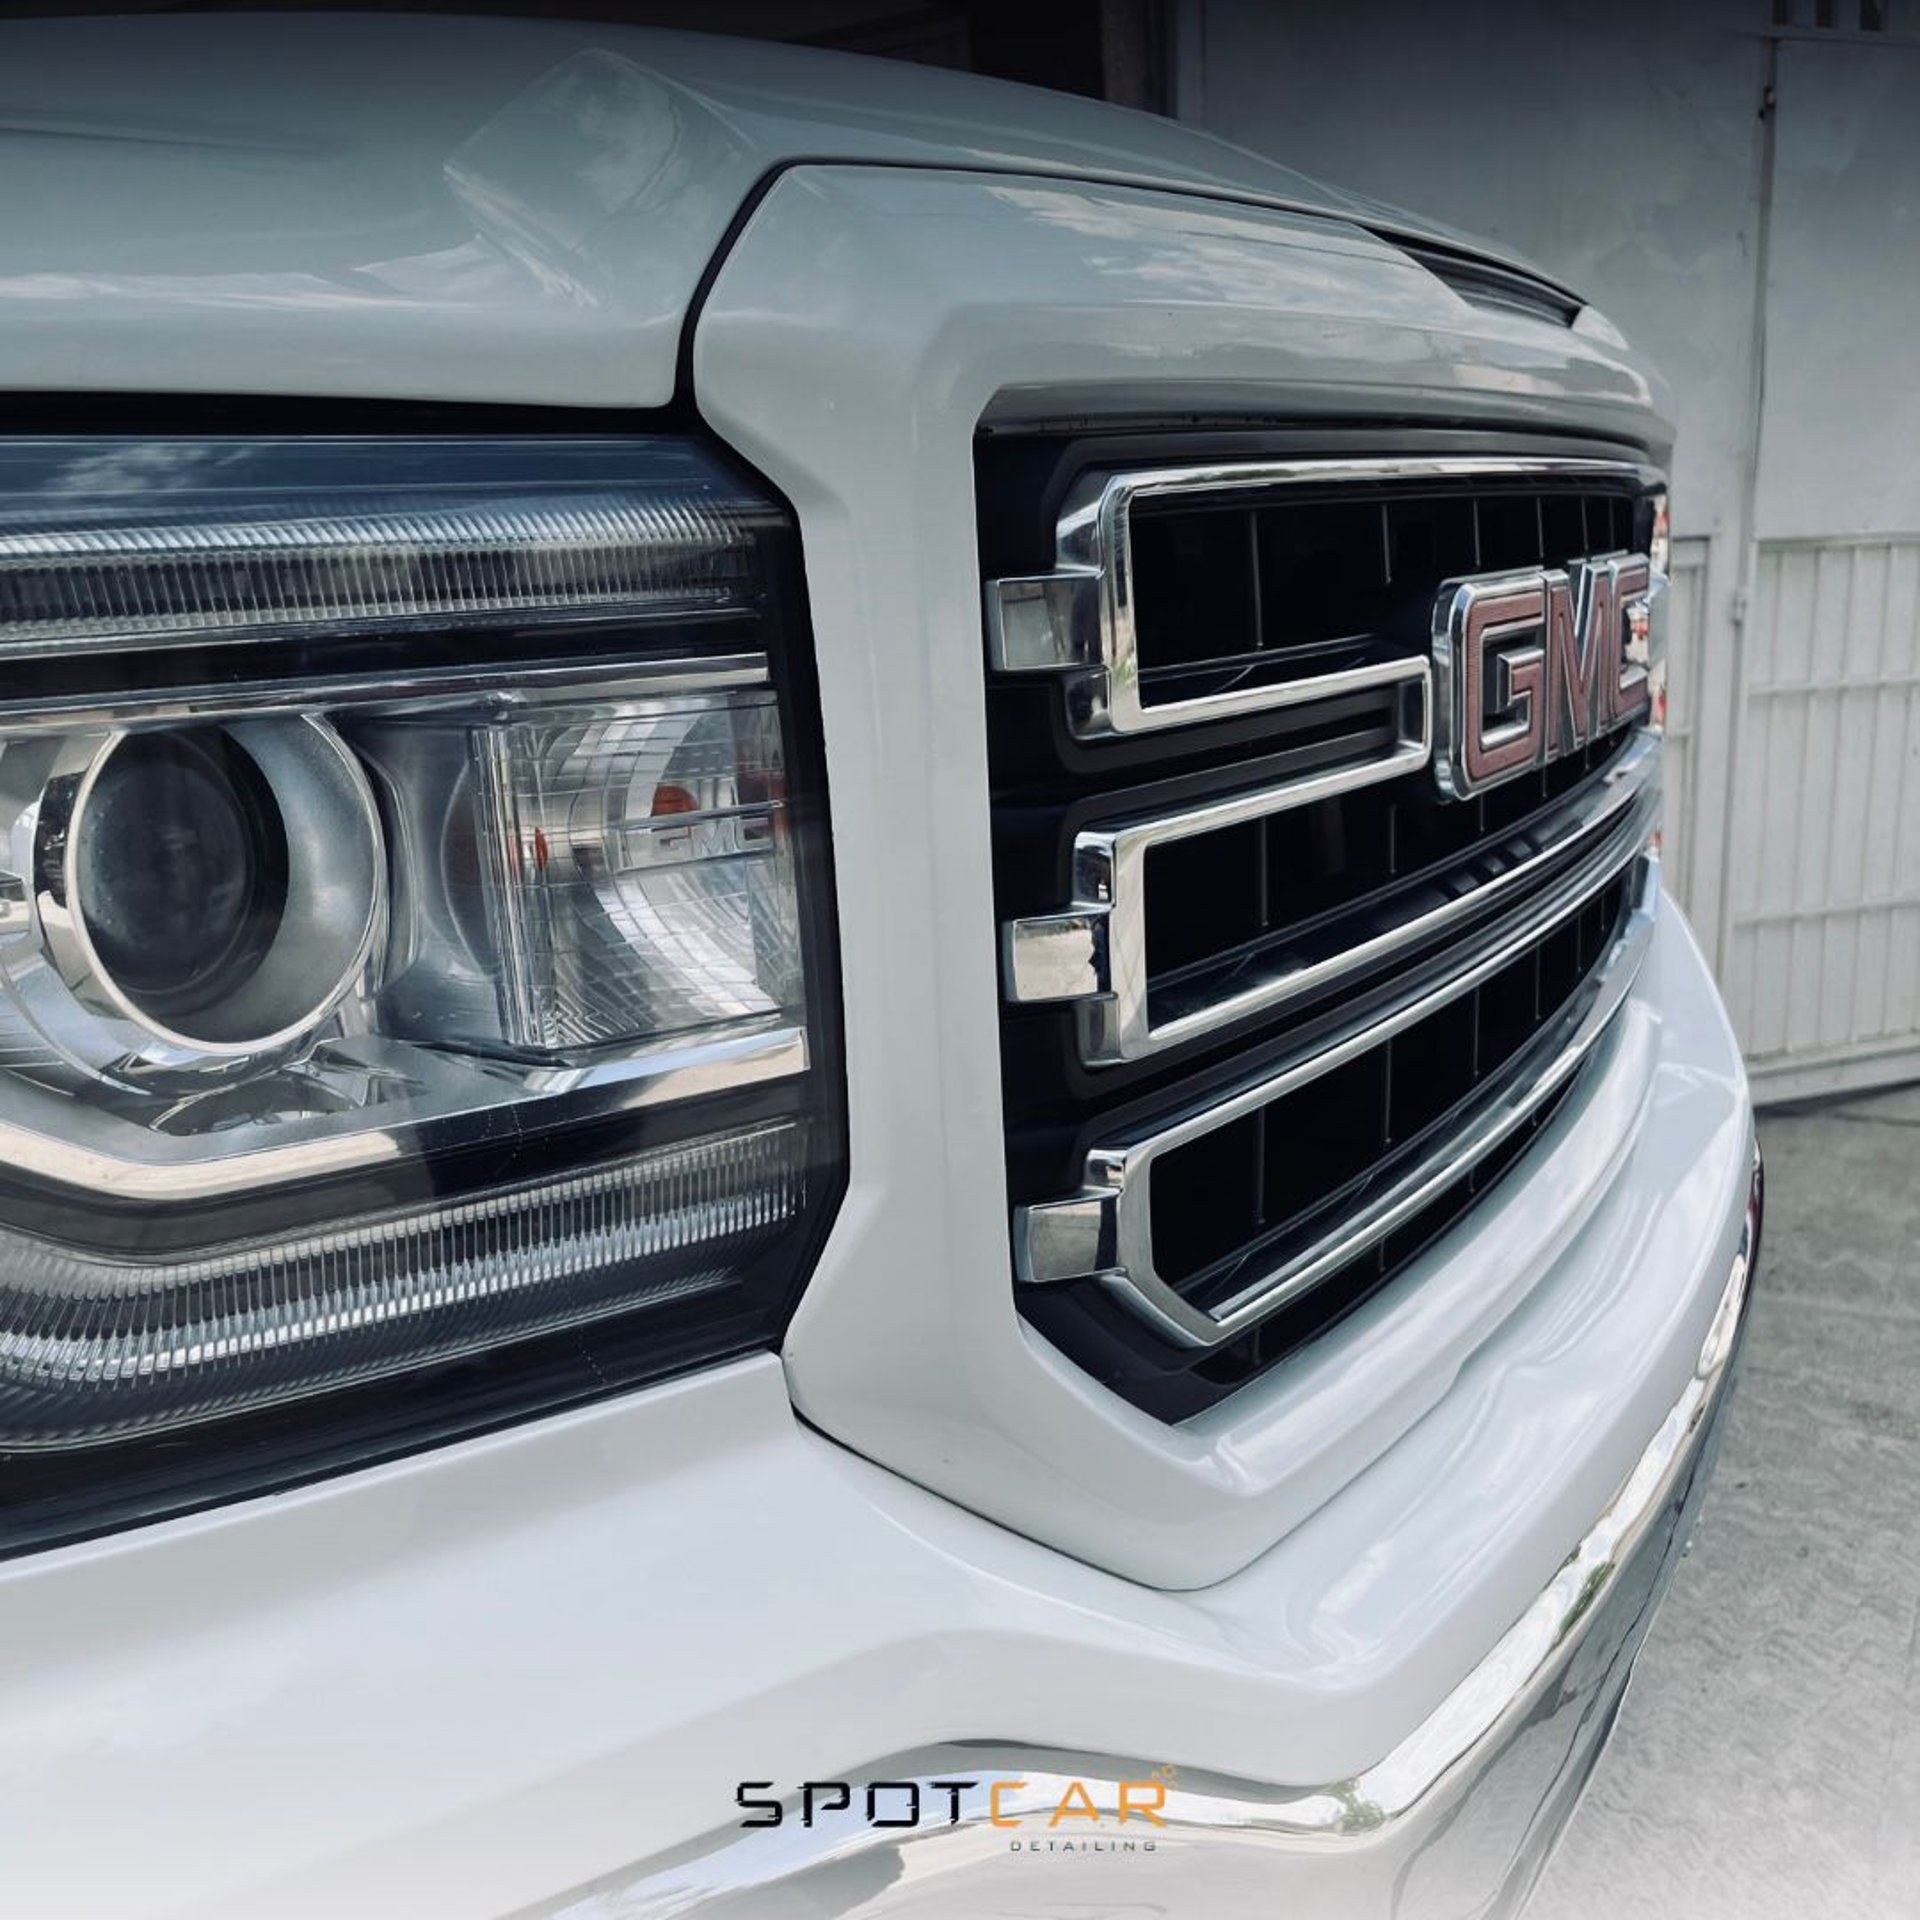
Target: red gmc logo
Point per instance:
(1533, 664)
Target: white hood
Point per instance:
(464, 209)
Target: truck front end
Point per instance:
(842, 1071)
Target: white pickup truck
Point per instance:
(840, 1071)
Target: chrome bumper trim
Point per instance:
(836, 1865)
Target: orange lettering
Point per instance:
(993, 1801)
(1066, 1809)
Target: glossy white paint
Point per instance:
(477, 1677)
(937, 299)
(513, 211)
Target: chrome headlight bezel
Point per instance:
(91, 1022)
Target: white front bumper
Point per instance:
(477, 1678)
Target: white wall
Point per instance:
(1770, 262)
(1840, 453)
(1821, 949)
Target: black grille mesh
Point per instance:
(1264, 590)
(1217, 900)
(1241, 1197)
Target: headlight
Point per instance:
(414, 948)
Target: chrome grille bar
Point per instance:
(1094, 952)
(1080, 619)
(1105, 1231)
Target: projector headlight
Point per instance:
(414, 948)
(203, 897)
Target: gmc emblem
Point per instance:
(1533, 664)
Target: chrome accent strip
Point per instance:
(1383, 1805)
(1105, 1232)
(1078, 620)
(1064, 956)
(750, 1053)
(1095, 951)
(1624, 805)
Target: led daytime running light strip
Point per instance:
(686, 1214)
(404, 564)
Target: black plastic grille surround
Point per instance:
(1241, 589)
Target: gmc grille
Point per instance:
(1275, 1012)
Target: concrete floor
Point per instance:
(1767, 1762)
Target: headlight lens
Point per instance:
(179, 869)
(207, 896)
(444, 966)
